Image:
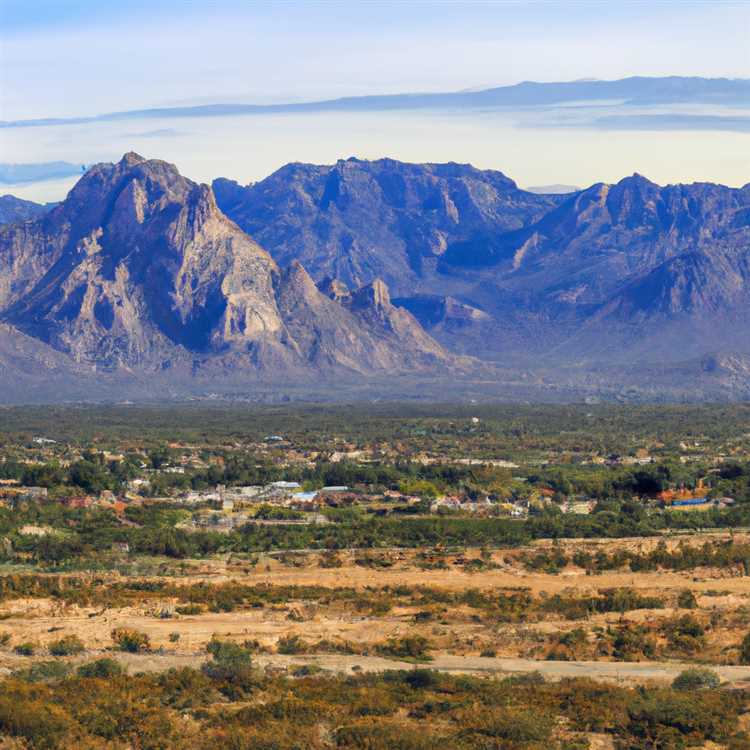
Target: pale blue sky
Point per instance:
(66, 58)
(75, 57)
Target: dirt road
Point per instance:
(623, 672)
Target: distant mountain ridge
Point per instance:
(360, 219)
(635, 90)
(14, 209)
(18, 173)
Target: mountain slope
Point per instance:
(16, 209)
(359, 220)
(497, 271)
(587, 246)
(139, 269)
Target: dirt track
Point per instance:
(624, 672)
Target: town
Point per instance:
(436, 466)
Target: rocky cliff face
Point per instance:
(607, 235)
(491, 269)
(358, 220)
(139, 268)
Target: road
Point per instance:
(629, 672)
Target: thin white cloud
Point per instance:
(223, 51)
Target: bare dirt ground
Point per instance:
(458, 635)
(616, 672)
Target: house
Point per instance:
(247, 491)
(304, 497)
(33, 493)
(31, 530)
(681, 495)
(579, 508)
(688, 501)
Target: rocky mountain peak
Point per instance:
(139, 269)
(131, 158)
(359, 220)
(373, 295)
(296, 278)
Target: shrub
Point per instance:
(105, 668)
(421, 679)
(43, 671)
(43, 725)
(501, 727)
(685, 634)
(666, 719)
(696, 678)
(174, 637)
(687, 600)
(330, 560)
(409, 647)
(5, 638)
(291, 644)
(231, 668)
(189, 609)
(186, 688)
(631, 642)
(307, 670)
(66, 646)
(25, 649)
(132, 641)
(378, 735)
(745, 650)
(572, 638)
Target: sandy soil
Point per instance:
(457, 634)
(618, 672)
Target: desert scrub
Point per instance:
(131, 641)
(291, 644)
(105, 668)
(696, 678)
(43, 671)
(69, 645)
(409, 647)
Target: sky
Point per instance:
(76, 57)
(66, 58)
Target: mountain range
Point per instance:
(628, 93)
(380, 269)
(609, 273)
